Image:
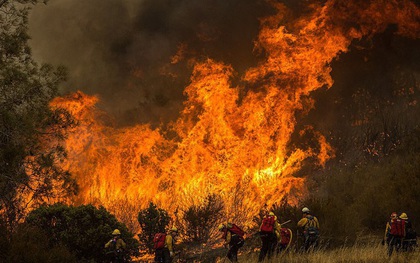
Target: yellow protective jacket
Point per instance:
(277, 227)
(387, 230)
(304, 221)
(119, 243)
(277, 230)
(228, 237)
(169, 243)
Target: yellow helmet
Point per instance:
(271, 213)
(404, 216)
(221, 226)
(116, 232)
(174, 229)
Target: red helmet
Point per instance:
(394, 215)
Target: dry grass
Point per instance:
(357, 253)
(366, 250)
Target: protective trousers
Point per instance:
(269, 242)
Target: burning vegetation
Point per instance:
(233, 139)
(323, 113)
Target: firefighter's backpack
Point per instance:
(237, 230)
(311, 228)
(267, 225)
(159, 240)
(397, 227)
(285, 235)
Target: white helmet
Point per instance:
(305, 210)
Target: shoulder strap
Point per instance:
(310, 221)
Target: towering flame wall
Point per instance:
(236, 146)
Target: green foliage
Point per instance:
(29, 155)
(152, 220)
(199, 221)
(83, 230)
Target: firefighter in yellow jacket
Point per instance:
(116, 247)
(309, 227)
(409, 242)
(387, 236)
(165, 254)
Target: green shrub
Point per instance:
(83, 230)
(152, 220)
(31, 244)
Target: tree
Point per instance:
(152, 220)
(84, 230)
(30, 155)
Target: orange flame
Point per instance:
(232, 146)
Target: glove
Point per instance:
(171, 254)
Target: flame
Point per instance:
(236, 146)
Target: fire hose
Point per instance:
(288, 221)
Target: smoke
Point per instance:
(136, 55)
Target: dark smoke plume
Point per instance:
(136, 55)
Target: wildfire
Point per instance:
(239, 148)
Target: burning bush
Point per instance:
(200, 221)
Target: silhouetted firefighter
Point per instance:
(409, 242)
(116, 248)
(269, 231)
(164, 246)
(234, 239)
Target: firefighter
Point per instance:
(394, 233)
(410, 240)
(116, 247)
(233, 239)
(387, 236)
(269, 233)
(309, 227)
(166, 253)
